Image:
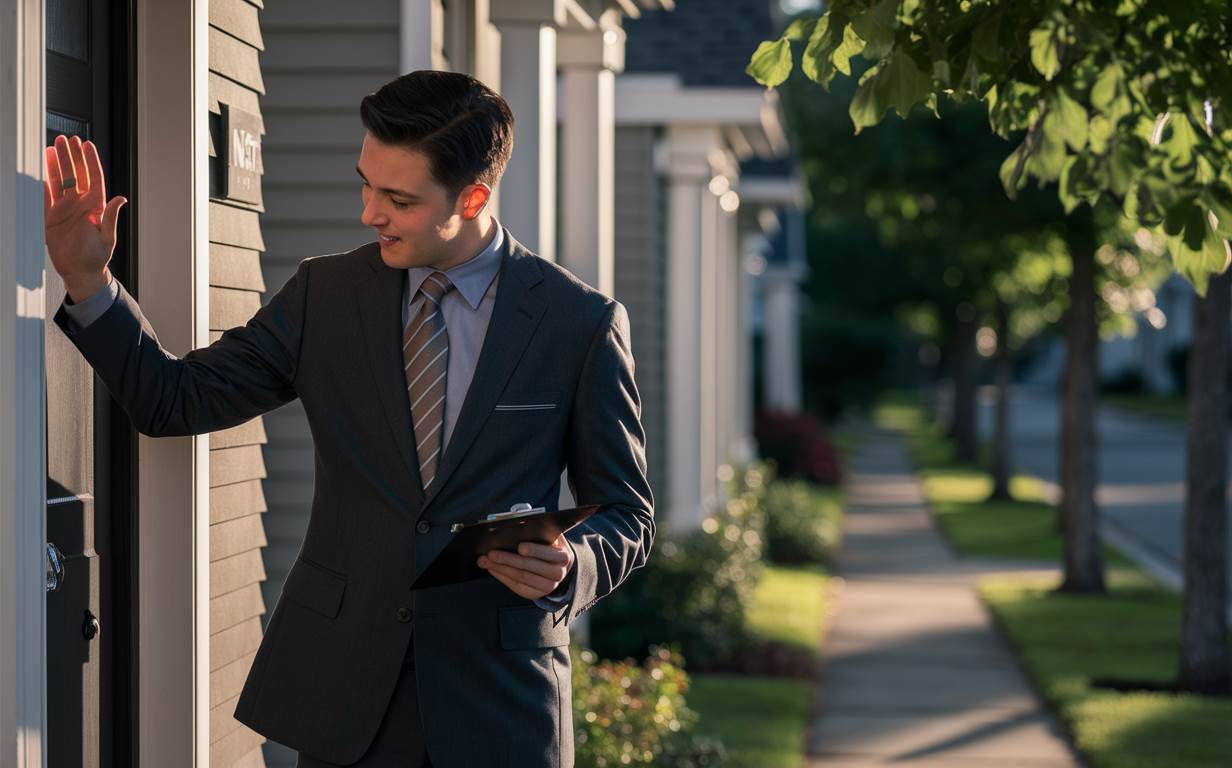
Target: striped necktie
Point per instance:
(425, 348)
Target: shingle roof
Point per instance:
(706, 42)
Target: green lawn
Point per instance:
(1066, 641)
(1023, 527)
(760, 720)
(1171, 407)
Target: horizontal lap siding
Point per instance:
(237, 502)
(321, 58)
(641, 282)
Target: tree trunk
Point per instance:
(962, 428)
(1084, 569)
(1205, 658)
(1001, 440)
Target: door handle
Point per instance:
(55, 567)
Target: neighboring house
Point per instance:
(689, 124)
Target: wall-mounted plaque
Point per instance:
(242, 134)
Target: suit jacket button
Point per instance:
(424, 526)
(404, 615)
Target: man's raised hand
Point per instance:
(79, 222)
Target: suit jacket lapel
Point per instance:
(516, 313)
(379, 298)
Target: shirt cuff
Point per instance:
(81, 315)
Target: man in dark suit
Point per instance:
(446, 373)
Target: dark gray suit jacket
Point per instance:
(493, 668)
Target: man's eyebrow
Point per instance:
(388, 190)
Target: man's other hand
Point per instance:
(535, 571)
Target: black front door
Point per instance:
(89, 454)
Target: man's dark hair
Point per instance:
(463, 127)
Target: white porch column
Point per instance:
(782, 339)
(528, 80)
(690, 220)
(751, 262)
(589, 61)
(727, 372)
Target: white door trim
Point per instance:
(23, 453)
(172, 192)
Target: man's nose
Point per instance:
(371, 216)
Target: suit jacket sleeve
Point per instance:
(606, 456)
(249, 371)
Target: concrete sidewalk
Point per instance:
(915, 673)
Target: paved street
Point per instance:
(1141, 472)
(915, 673)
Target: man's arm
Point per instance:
(91, 309)
(606, 455)
(249, 371)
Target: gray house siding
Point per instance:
(320, 59)
(641, 282)
(237, 501)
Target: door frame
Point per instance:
(23, 449)
(171, 122)
(172, 542)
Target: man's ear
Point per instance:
(473, 198)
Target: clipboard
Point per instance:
(502, 530)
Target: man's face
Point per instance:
(416, 218)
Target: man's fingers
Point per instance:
(543, 552)
(534, 565)
(531, 581)
(46, 199)
(66, 163)
(54, 177)
(80, 171)
(110, 216)
(94, 166)
(517, 587)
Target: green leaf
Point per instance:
(1046, 48)
(875, 26)
(799, 29)
(1219, 199)
(771, 62)
(899, 84)
(984, 38)
(1048, 158)
(1109, 95)
(1199, 252)
(1099, 132)
(851, 45)
(817, 60)
(1071, 121)
(1013, 174)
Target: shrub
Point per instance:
(695, 590)
(798, 446)
(802, 523)
(629, 714)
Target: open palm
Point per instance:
(79, 222)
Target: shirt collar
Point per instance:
(472, 277)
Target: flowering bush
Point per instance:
(626, 714)
(695, 589)
(803, 522)
(798, 446)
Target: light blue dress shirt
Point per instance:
(467, 310)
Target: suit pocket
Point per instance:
(534, 401)
(529, 628)
(315, 587)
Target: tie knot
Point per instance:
(435, 286)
